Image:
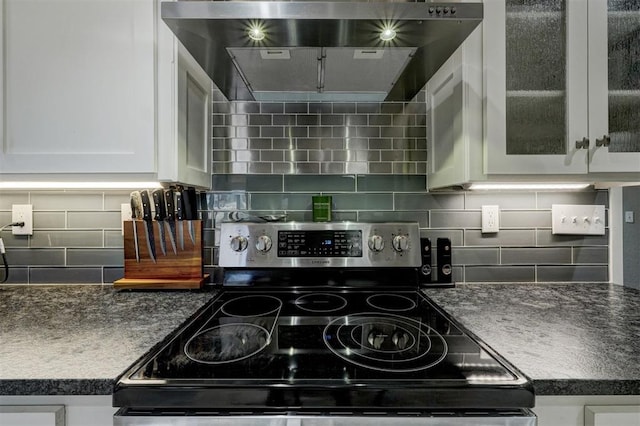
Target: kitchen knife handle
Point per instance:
(136, 205)
(193, 199)
(187, 209)
(179, 206)
(169, 198)
(146, 205)
(158, 200)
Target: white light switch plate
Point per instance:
(577, 219)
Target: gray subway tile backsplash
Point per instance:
(506, 200)
(506, 237)
(573, 273)
(535, 256)
(499, 273)
(37, 257)
(591, 255)
(94, 257)
(67, 248)
(65, 275)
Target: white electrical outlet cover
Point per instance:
(577, 219)
(490, 219)
(22, 213)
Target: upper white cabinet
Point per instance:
(560, 94)
(614, 85)
(90, 88)
(184, 113)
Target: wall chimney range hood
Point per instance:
(321, 50)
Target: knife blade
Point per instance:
(190, 210)
(160, 216)
(169, 198)
(148, 221)
(179, 205)
(136, 213)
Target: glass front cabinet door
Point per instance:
(562, 86)
(614, 107)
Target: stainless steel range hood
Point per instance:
(320, 50)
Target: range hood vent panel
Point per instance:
(344, 73)
(297, 74)
(213, 31)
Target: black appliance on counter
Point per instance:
(322, 324)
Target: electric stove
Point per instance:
(323, 320)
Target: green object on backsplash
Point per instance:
(321, 208)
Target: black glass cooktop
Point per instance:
(322, 349)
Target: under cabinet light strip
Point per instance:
(521, 186)
(78, 185)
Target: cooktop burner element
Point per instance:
(251, 306)
(391, 302)
(385, 342)
(227, 343)
(321, 302)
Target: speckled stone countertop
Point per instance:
(76, 339)
(571, 339)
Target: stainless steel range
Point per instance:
(322, 324)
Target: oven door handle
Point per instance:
(132, 418)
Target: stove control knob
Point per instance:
(376, 243)
(263, 243)
(239, 243)
(400, 243)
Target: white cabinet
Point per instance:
(535, 87)
(56, 410)
(79, 87)
(95, 87)
(454, 117)
(560, 96)
(32, 415)
(184, 123)
(588, 410)
(614, 107)
(606, 415)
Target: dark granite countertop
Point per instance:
(76, 339)
(571, 339)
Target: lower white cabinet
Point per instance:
(606, 415)
(588, 410)
(32, 415)
(62, 410)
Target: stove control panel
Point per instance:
(303, 244)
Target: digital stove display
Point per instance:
(325, 243)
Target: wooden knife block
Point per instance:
(181, 270)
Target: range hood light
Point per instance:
(387, 34)
(256, 33)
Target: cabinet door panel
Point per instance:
(536, 104)
(614, 46)
(454, 114)
(79, 86)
